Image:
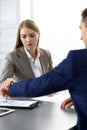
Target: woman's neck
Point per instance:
(33, 54)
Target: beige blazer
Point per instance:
(18, 66)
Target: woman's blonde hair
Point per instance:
(28, 24)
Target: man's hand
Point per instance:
(51, 95)
(67, 103)
(4, 90)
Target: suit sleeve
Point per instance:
(8, 69)
(58, 79)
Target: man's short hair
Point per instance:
(84, 16)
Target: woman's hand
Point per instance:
(51, 95)
(67, 103)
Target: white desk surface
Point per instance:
(66, 118)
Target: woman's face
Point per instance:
(29, 39)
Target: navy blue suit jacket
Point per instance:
(70, 74)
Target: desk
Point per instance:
(47, 116)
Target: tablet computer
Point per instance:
(4, 111)
(18, 103)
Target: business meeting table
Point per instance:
(46, 116)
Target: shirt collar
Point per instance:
(28, 54)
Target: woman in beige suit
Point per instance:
(27, 60)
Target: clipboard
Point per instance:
(19, 103)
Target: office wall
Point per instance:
(58, 21)
(9, 19)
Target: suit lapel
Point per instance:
(43, 62)
(24, 63)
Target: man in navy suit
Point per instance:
(70, 74)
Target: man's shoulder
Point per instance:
(78, 54)
(78, 51)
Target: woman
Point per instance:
(27, 60)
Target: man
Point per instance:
(83, 26)
(70, 74)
